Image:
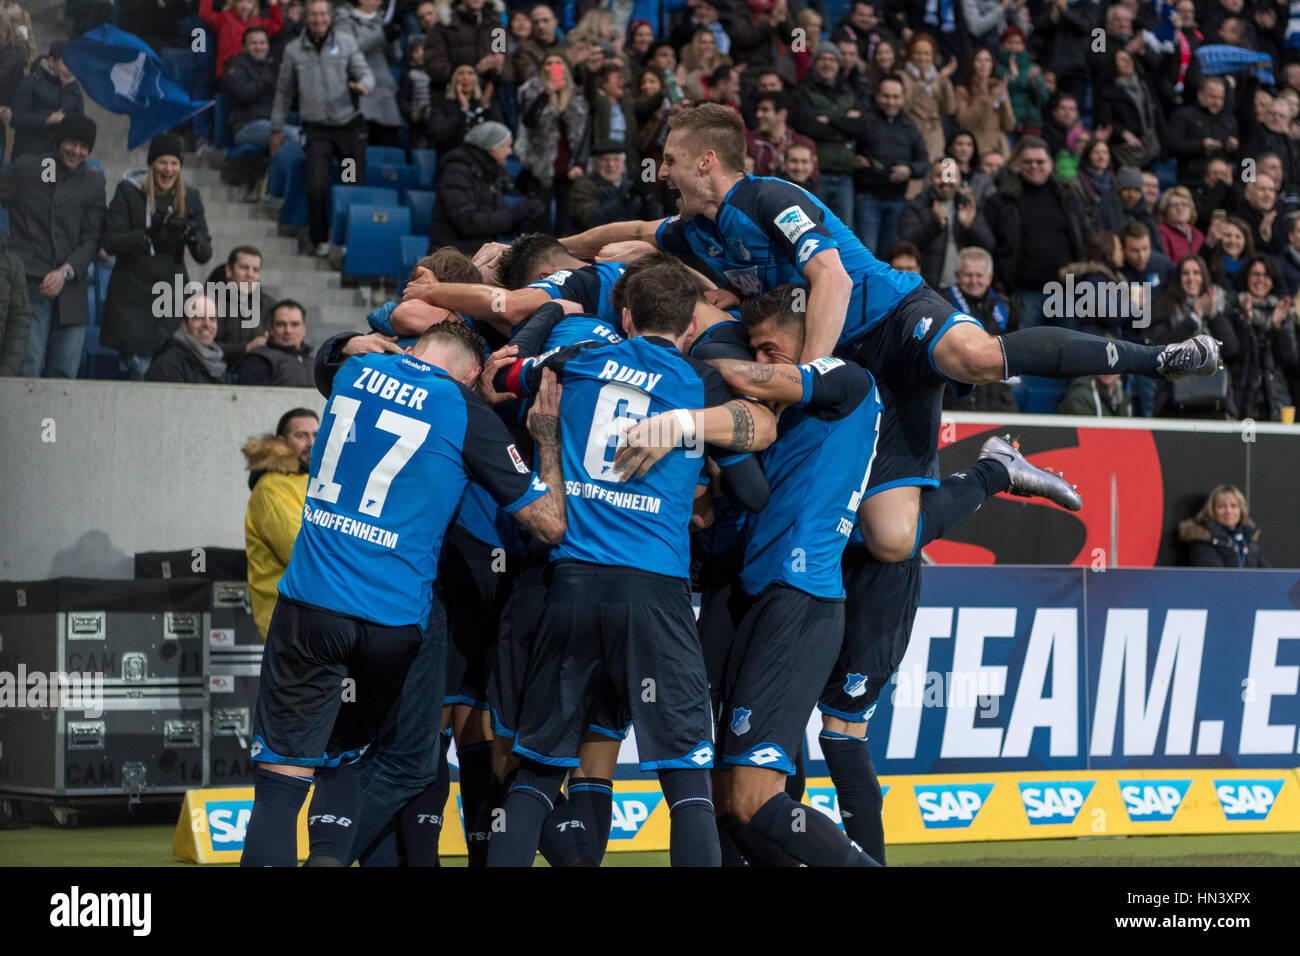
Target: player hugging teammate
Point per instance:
(774, 408)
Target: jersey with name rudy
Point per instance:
(768, 230)
(589, 286)
(817, 470)
(399, 441)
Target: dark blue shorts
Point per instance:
(616, 644)
(306, 715)
(474, 580)
(722, 606)
(879, 607)
(786, 645)
(514, 646)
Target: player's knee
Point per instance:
(974, 359)
(748, 796)
(838, 725)
(289, 770)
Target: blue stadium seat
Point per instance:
(513, 167)
(374, 239)
(426, 161)
(221, 136)
(385, 154)
(293, 212)
(413, 249)
(399, 176)
(103, 272)
(341, 197)
(96, 361)
(420, 202)
(246, 153)
(1040, 396)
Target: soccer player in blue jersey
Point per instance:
(401, 437)
(617, 630)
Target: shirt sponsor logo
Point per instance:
(746, 280)
(793, 222)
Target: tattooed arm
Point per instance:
(776, 384)
(546, 517)
(739, 425)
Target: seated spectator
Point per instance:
(462, 34)
(991, 166)
(1097, 396)
(973, 294)
(1289, 260)
(1230, 243)
(153, 219)
(465, 105)
(15, 314)
(928, 96)
(1098, 190)
(1221, 534)
(699, 59)
(1202, 131)
(1024, 79)
(904, 256)
(1178, 232)
(940, 221)
(553, 142)
(606, 195)
(414, 97)
(229, 25)
(1268, 354)
(286, 359)
(983, 105)
(1269, 164)
(471, 206)
(1128, 114)
(801, 168)
(191, 355)
(41, 100)
(541, 42)
(1193, 305)
(1213, 191)
(242, 329)
(824, 109)
(278, 467)
(723, 87)
(56, 251)
(767, 144)
(961, 149)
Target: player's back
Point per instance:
(642, 522)
(589, 286)
(387, 473)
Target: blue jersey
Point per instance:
(399, 441)
(589, 286)
(768, 230)
(642, 522)
(549, 328)
(817, 470)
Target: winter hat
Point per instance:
(487, 136)
(77, 127)
(824, 49)
(164, 144)
(1129, 177)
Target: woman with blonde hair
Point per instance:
(700, 58)
(467, 103)
(552, 141)
(1221, 534)
(595, 27)
(1176, 213)
(927, 92)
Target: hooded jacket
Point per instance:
(272, 520)
(1211, 545)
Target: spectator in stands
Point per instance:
(1097, 284)
(471, 206)
(1289, 260)
(824, 109)
(1039, 223)
(1260, 213)
(1269, 164)
(1128, 115)
(616, 115)
(904, 256)
(864, 27)
(973, 294)
(1230, 243)
(1177, 216)
(15, 313)
(229, 25)
(1120, 35)
(1193, 305)
(962, 151)
(1273, 135)
(553, 143)
(414, 96)
(55, 224)
(326, 72)
(1148, 273)
(1268, 354)
(702, 15)
(890, 153)
(1179, 70)
(852, 69)
(41, 100)
(810, 22)
(1202, 131)
(767, 144)
(941, 221)
(640, 38)
(1097, 188)
(153, 219)
(606, 195)
(991, 166)
(543, 41)
(928, 96)
(1133, 205)
(426, 16)
(801, 168)
(1212, 192)
(1024, 79)
(759, 27)
(278, 468)
(290, 30)
(249, 83)
(191, 355)
(286, 359)
(1150, 188)
(1221, 535)
(237, 332)
(1068, 160)
(1097, 396)
(463, 37)
(723, 87)
(465, 105)
(653, 131)
(13, 63)
(1063, 116)
(983, 105)
(699, 59)
(377, 41)
(884, 61)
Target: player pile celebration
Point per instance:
(497, 544)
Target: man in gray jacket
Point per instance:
(328, 74)
(56, 214)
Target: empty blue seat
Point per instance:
(426, 164)
(374, 235)
(420, 202)
(341, 197)
(413, 249)
(385, 154)
(399, 176)
(96, 361)
(1040, 396)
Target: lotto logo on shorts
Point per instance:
(1054, 802)
(950, 805)
(1148, 801)
(702, 756)
(630, 811)
(1247, 799)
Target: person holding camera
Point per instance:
(153, 219)
(941, 221)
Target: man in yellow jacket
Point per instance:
(278, 468)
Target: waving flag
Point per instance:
(1219, 58)
(123, 74)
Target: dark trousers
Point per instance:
(323, 145)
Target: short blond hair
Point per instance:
(716, 127)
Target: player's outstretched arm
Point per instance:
(585, 245)
(501, 308)
(738, 425)
(775, 384)
(828, 303)
(546, 517)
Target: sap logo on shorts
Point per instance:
(740, 720)
(1152, 801)
(1055, 802)
(630, 811)
(746, 280)
(950, 805)
(228, 822)
(855, 685)
(922, 328)
(810, 247)
(793, 222)
(518, 459)
(1247, 799)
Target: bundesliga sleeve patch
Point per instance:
(520, 466)
(793, 222)
(822, 365)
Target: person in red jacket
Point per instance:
(231, 23)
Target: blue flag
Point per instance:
(123, 74)
(1219, 58)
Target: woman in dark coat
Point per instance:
(151, 221)
(1221, 535)
(466, 104)
(471, 206)
(1268, 352)
(1129, 109)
